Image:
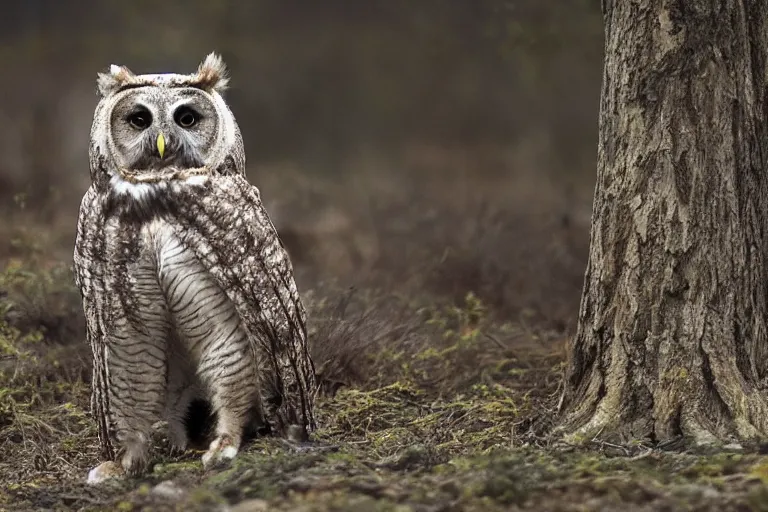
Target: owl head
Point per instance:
(156, 124)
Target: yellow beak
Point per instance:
(161, 144)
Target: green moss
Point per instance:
(757, 499)
(205, 497)
(712, 466)
(171, 469)
(760, 471)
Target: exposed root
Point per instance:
(705, 418)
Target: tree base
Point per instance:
(715, 406)
(672, 337)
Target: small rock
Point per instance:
(168, 490)
(254, 505)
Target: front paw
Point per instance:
(135, 457)
(221, 452)
(105, 471)
(177, 439)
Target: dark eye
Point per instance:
(140, 120)
(186, 117)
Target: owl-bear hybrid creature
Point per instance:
(188, 292)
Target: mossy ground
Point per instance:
(437, 393)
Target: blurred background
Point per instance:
(443, 146)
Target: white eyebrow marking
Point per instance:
(180, 103)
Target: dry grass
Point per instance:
(438, 316)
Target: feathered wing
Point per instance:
(225, 224)
(91, 269)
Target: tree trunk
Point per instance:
(672, 337)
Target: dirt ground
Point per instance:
(439, 314)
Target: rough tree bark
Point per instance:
(672, 337)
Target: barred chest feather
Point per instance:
(175, 292)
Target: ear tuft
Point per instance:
(212, 74)
(108, 83)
